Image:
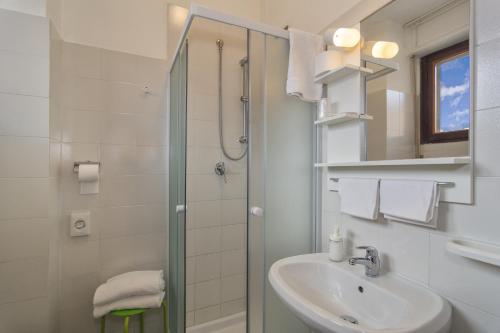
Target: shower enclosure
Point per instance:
(241, 176)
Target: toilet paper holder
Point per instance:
(77, 164)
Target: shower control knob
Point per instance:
(257, 211)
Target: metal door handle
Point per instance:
(180, 209)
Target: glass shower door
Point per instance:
(280, 181)
(177, 192)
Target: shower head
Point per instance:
(220, 43)
(243, 61)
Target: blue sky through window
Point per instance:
(454, 94)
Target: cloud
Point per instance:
(455, 101)
(454, 90)
(456, 120)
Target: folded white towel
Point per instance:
(359, 197)
(134, 302)
(411, 201)
(304, 47)
(129, 284)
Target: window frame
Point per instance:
(428, 110)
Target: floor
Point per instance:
(231, 324)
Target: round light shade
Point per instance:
(346, 37)
(385, 50)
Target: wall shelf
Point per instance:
(342, 118)
(408, 162)
(475, 250)
(341, 72)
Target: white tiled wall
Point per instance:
(216, 216)
(419, 254)
(105, 115)
(25, 192)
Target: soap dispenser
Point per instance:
(336, 245)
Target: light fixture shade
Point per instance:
(385, 50)
(346, 37)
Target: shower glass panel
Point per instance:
(239, 144)
(280, 180)
(177, 192)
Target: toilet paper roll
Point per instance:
(88, 172)
(88, 176)
(326, 61)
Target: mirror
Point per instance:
(419, 92)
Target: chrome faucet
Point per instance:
(371, 261)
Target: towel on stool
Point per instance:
(129, 284)
(133, 302)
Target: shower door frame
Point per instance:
(206, 13)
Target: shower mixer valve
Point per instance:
(220, 170)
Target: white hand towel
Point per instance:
(411, 201)
(359, 197)
(129, 284)
(304, 47)
(134, 302)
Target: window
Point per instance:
(445, 95)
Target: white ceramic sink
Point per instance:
(321, 292)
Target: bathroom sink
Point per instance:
(337, 297)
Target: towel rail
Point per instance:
(335, 179)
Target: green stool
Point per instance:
(127, 313)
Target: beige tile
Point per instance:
(233, 262)
(23, 279)
(207, 213)
(23, 239)
(80, 93)
(119, 191)
(208, 267)
(78, 292)
(232, 307)
(81, 60)
(207, 240)
(34, 194)
(151, 160)
(151, 129)
(82, 126)
(233, 237)
(119, 66)
(24, 157)
(119, 128)
(190, 297)
(190, 270)
(13, 316)
(119, 160)
(24, 115)
(207, 314)
(151, 189)
(233, 287)
(80, 320)
(207, 293)
(80, 256)
(234, 211)
(122, 97)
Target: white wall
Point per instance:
(419, 254)
(310, 16)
